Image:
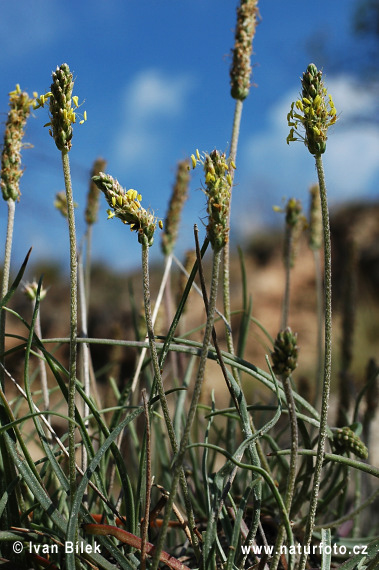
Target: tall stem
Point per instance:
(320, 319)
(5, 284)
(226, 250)
(73, 322)
(8, 246)
(161, 392)
(291, 480)
(195, 399)
(287, 264)
(327, 364)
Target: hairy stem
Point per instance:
(327, 363)
(287, 263)
(226, 250)
(160, 388)
(316, 254)
(292, 467)
(178, 466)
(73, 322)
(8, 246)
(5, 284)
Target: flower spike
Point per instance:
(314, 111)
(126, 205)
(218, 181)
(11, 171)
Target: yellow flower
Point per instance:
(126, 205)
(316, 113)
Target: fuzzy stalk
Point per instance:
(85, 357)
(287, 264)
(73, 322)
(8, 246)
(327, 363)
(226, 250)
(160, 388)
(5, 284)
(257, 455)
(320, 319)
(42, 369)
(178, 465)
(292, 467)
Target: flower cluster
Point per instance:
(93, 193)
(315, 219)
(315, 111)
(284, 357)
(126, 205)
(218, 181)
(60, 203)
(62, 111)
(345, 439)
(11, 170)
(30, 290)
(179, 196)
(240, 71)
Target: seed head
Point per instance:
(179, 196)
(284, 357)
(315, 219)
(218, 181)
(60, 203)
(126, 205)
(93, 193)
(11, 171)
(189, 260)
(315, 111)
(240, 71)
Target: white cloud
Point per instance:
(152, 100)
(153, 93)
(351, 159)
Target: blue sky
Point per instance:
(155, 78)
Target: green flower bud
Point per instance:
(346, 440)
(284, 357)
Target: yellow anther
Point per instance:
(209, 178)
(160, 224)
(197, 154)
(193, 159)
(75, 99)
(132, 194)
